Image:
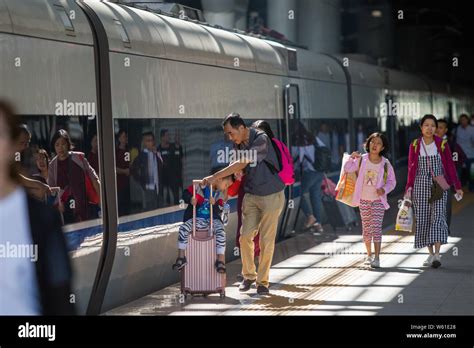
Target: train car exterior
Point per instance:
(104, 69)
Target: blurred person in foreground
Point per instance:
(35, 266)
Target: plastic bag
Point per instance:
(404, 220)
(346, 185)
(328, 187)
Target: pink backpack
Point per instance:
(287, 172)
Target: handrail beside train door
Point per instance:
(289, 117)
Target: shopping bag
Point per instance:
(346, 185)
(404, 220)
(328, 186)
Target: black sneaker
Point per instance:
(245, 285)
(180, 263)
(262, 290)
(436, 261)
(240, 278)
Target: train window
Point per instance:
(64, 19)
(292, 60)
(63, 153)
(157, 159)
(123, 33)
(333, 134)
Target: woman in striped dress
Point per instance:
(429, 155)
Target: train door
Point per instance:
(291, 117)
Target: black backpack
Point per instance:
(322, 158)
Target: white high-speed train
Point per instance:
(97, 67)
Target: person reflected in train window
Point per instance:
(337, 147)
(146, 170)
(324, 135)
(42, 163)
(122, 161)
(26, 152)
(465, 139)
(34, 187)
(303, 151)
(220, 152)
(179, 155)
(428, 157)
(37, 279)
(171, 156)
(93, 156)
(79, 198)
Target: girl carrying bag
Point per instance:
(346, 186)
(439, 182)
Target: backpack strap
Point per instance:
(270, 166)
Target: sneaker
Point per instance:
(368, 260)
(180, 263)
(245, 285)
(310, 222)
(428, 261)
(436, 261)
(375, 263)
(318, 227)
(262, 290)
(240, 278)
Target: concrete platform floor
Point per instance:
(324, 275)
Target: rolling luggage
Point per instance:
(199, 275)
(339, 214)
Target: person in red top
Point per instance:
(122, 162)
(427, 158)
(79, 183)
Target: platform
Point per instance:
(325, 275)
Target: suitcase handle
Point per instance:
(198, 182)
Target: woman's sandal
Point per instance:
(220, 266)
(180, 263)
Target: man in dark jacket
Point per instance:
(147, 171)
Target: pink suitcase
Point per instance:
(200, 275)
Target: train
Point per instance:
(95, 67)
